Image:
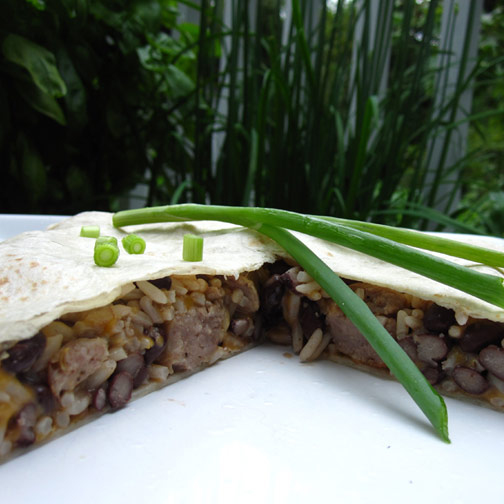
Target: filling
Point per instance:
(96, 360)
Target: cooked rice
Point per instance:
(311, 346)
(155, 293)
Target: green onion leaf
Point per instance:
(133, 244)
(193, 248)
(427, 241)
(387, 247)
(401, 366)
(90, 231)
(106, 251)
(487, 287)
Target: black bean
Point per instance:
(431, 348)
(30, 377)
(120, 389)
(24, 354)
(289, 279)
(492, 359)
(310, 317)
(271, 300)
(131, 364)
(438, 319)
(480, 334)
(433, 374)
(158, 335)
(134, 364)
(38, 383)
(45, 397)
(408, 345)
(470, 380)
(162, 283)
(140, 377)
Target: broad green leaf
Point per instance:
(75, 99)
(41, 102)
(189, 31)
(178, 82)
(5, 117)
(147, 13)
(78, 184)
(75, 8)
(34, 175)
(38, 4)
(38, 61)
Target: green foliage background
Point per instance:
(83, 105)
(98, 96)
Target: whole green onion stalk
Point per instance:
(273, 222)
(489, 288)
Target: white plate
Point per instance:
(13, 224)
(263, 428)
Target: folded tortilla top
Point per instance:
(44, 274)
(77, 339)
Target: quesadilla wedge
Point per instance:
(77, 340)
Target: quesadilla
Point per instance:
(77, 340)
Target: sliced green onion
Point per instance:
(193, 248)
(106, 251)
(90, 231)
(133, 244)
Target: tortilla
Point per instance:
(60, 311)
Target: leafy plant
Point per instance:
(250, 106)
(85, 109)
(483, 180)
(303, 122)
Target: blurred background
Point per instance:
(382, 110)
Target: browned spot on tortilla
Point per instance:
(34, 264)
(255, 243)
(44, 282)
(18, 259)
(24, 298)
(330, 254)
(5, 299)
(4, 280)
(34, 285)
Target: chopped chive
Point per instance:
(90, 231)
(193, 248)
(133, 244)
(106, 251)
